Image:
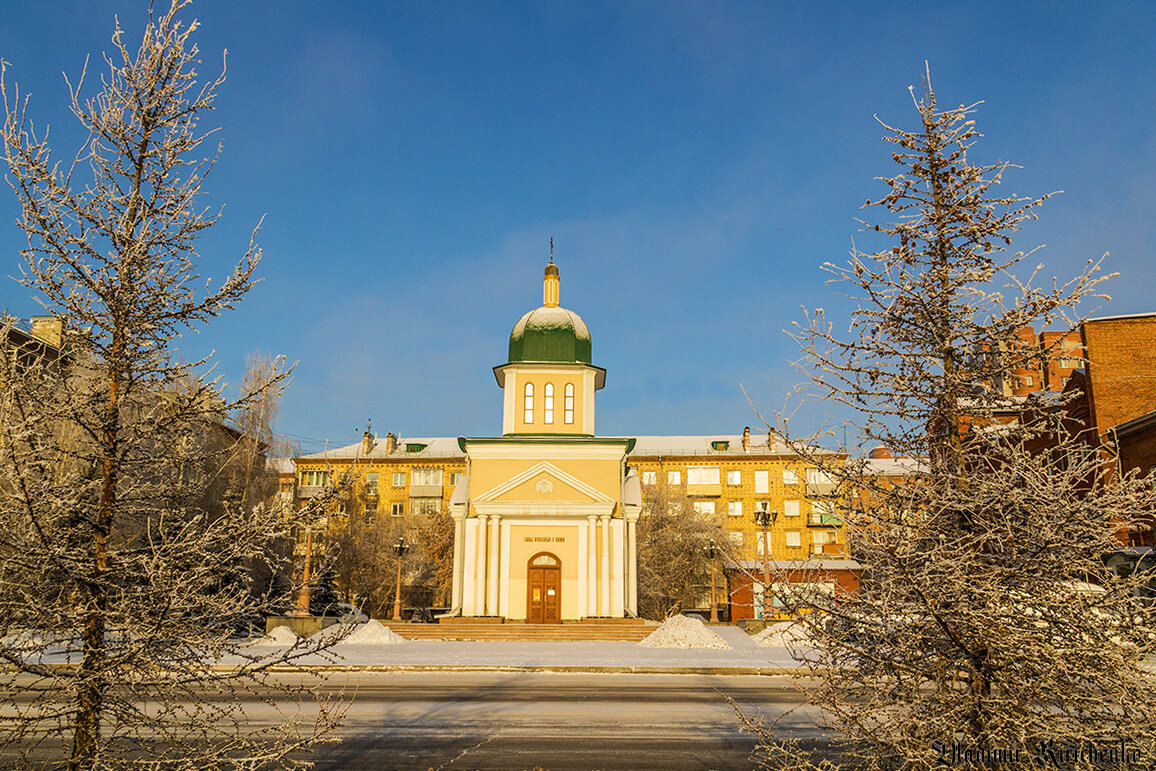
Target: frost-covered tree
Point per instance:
(674, 562)
(986, 620)
(130, 524)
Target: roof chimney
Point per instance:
(366, 443)
(390, 442)
(746, 439)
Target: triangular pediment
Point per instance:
(544, 481)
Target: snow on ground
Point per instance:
(279, 635)
(683, 632)
(782, 634)
(372, 633)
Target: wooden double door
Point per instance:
(544, 590)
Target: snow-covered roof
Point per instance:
(1149, 314)
(790, 565)
(281, 465)
(645, 447)
(654, 446)
(895, 466)
(407, 447)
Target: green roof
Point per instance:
(550, 334)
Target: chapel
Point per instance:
(545, 515)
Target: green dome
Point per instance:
(550, 333)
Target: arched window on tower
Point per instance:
(529, 416)
(568, 405)
(548, 406)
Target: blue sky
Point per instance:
(695, 163)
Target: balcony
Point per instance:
(828, 551)
(310, 491)
(816, 519)
(425, 491)
(821, 489)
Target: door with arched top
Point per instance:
(544, 589)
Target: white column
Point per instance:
(504, 573)
(632, 566)
(617, 569)
(581, 551)
(604, 577)
(469, 566)
(459, 518)
(592, 566)
(492, 568)
(480, 582)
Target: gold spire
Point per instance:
(550, 283)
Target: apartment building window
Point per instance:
(455, 477)
(399, 479)
(793, 538)
(427, 476)
(736, 538)
(419, 507)
(548, 404)
(790, 508)
(817, 476)
(735, 508)
(314, 478)
(734, 477)
(704, 507)
(568, 405)
(371, 484)
(702, 475)
(674, 477)
(763, 543)
(649, 477)
(528, 417)
(370, 510)
(762, 505)
(790, 476)
(823, 537)
(396, 509)
(762, 481)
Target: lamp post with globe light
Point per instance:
(766, 519)
(399, 548)
(712, 553)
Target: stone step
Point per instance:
(464, 630)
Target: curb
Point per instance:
(558, 668)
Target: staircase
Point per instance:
(599, 630)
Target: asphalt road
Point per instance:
(531, 720)
(495, 720)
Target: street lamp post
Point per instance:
(302, 608)
(712, 552)
(399, 548)
(766, 519)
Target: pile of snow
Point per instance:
(782, 634)
(683, 632)
(279, 635)
(373, 633)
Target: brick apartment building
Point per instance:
(1108, 368)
